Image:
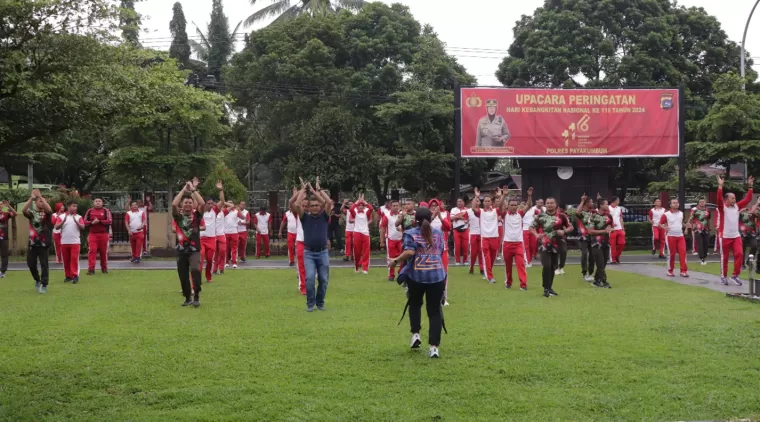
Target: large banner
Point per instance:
(601, 123)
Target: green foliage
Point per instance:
(130, 22)
(180, 48)
(285, 12)
(233, 189)
(638, 229)
(218, 43)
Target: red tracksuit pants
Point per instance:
(232, 246)
(475, 254)
(262, 242)
(136, 242)
(98, 244)
(57, 242)
(349, 244)
(70, 257)
(461, 243)
(490, 248)
(208, 250)
(677, 245)
(516, 251)
(394, 247)
(221, 253)
(658, 240)
(726, 247)
(361, 251)
(243, 244)
(530, 245)
(291, 247)
(301, 267)
(617, 244)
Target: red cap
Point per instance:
(434, 201)
(423, 204)
(58, 207)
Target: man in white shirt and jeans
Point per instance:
(672, 222)
(728, 230)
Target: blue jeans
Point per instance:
(317, 266)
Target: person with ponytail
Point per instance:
(424, 276)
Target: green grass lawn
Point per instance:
(119, 347)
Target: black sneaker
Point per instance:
(291, 264)
(470, 272)
(553, 293)
(321, 307)
(310, 308)
(242, 260)
(67, 280)
(546, 293)
(37, 286)
(607, 285)
(90, 272)
(662, 256)
(653, 252)
(196, 303)
(216, 272)
(75, 280)
(345, 259)
(598, 284)
(391, 278)
(187, 302)
(104, 271)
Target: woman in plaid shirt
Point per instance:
(424, 276)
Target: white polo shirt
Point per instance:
(209, 220)
(262, 223)
(513, 227)
(70, 232)
(674, 220)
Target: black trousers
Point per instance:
(587, 257)
(562, 252)
(335, 234)
(4, 252)
(749, 242)
(189, 266)
(703, 243)
(549, 262)
(601, 252)
(434, 295)
(33, 255)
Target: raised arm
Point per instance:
(175, 202)
(719, 202)
(748, 197)
(25, 211)
(295, 201)
(529, 201)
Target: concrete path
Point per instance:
(695, 278)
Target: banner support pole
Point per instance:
(457, 141)
(681, 147)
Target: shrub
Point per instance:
(233, 189)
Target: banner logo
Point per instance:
(473, 101)
(666, 101)
(580, 126)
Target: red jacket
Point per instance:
(102, 214)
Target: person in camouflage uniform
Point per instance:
(38, 212)
(700, 223)
(585, 213)
(550, 227)
(187, 213)
(599, 228)
(748, 220)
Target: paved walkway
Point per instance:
(695, 278)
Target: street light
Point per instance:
(744, 38)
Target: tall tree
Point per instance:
(284, 10)
(180, 48)
(218, 43)
(130, 21)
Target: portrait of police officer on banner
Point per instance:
(492, 129)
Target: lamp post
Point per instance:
(744, 39)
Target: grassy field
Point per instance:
(119, 347)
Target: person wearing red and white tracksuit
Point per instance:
(530, 241)
(672, 222)
(393, 236)
(349, 256)
(98, 219)
(300, 248)
(658, 233)
(513, 245)
(489, 232)
(134, 221)
(617, 237)
(440, 219)
(71, 226)
(461, 232)
(383, 211)
(231, 220)
(289, 221)
(474, 222)
(243, 224)
(222, 210)
(728, 231)
(361, 214)
(60, 211)
(262, 220)
(208, 237)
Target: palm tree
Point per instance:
(224, 43)
(284, 11)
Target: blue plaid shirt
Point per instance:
(427, 266)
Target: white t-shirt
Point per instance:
(384, 211)
(231, 222)
(730, 222)
(489, 224)
(656, 214)
(530, 215)
(361, 221)
(391, 230)
(292, 222)
(616, 213)
(70, 233)
(458, 223)
(474, 222)
(209, 219)
(262, 223)
(135, 221)
(674, 220)
(513, 227)
(349, 222)
(243, 223)
(56, 218)
(220, 222)
(299, 231)
(438, 222)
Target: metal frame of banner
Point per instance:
(681, 134)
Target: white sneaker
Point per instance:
(694, 253)
(356, 271)
(499, 258)
(2, 275)
(702, 262)
(364, 272)
(226, 265)
(457, 264)
(556, 272)
(445, 303)
(234, 266)
(433, 353)
(562, 271)
(529, 265)
(416, 342)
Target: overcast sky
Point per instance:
(477, 32)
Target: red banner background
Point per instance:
(602, 123)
